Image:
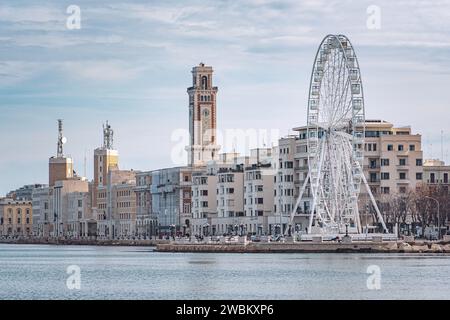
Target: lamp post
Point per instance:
(438, 214)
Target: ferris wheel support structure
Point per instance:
(335, 141)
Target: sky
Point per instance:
(130, 63)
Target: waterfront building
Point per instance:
(61, 192)
(80, 221)
(16, 218)
(171, 199)
(146, 221)
(42, 211)
(116, 205)
(234, 194)
(204, 199)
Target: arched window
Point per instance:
(204, 83)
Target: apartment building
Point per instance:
(204, 200)
(393, 158)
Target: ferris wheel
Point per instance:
(335, 137)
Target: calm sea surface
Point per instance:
(39, 272)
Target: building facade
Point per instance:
(16, 218)
(116, 205)
(146, 221)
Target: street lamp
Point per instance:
(439, 218)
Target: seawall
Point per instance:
(308, 247)
(86, 242)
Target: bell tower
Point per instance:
(202, 117)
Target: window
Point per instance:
(418, 162)
(419, 176)
(80, 203)
(259, 200)
(373, 177)
(384, 162)
(412, 147)
(402, 175)
(259, 188)
(390, 147)
(445, 177)
(402, 161)
(385, 190)
(402, 189)
(400, 147)
(385, 176)
(432, 178)
(204, 83)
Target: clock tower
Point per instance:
(202, 117)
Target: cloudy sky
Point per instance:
(130, 64)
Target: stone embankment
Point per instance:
(86, 242)
(309, 247)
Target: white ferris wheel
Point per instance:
(335, 136)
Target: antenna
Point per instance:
(84, 166)
(108, 135)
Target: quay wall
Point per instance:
(307, 247)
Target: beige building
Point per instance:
(436, 173)
(393, 158)
(16, 218)
(116, 205)
(80, 221)
(60, 194)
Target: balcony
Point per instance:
(371, 167)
